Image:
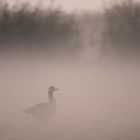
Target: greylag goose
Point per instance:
(43, 110)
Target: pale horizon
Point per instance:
(70, 5)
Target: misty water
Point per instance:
(96, 101)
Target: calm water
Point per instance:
(95, 102)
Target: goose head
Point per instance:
(52, 89)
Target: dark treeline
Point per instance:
(122, 28)
(25, 27)
(116, 30)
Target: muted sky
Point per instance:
(81, 4)
(70, 5)
(87, 5)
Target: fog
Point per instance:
(98, 101)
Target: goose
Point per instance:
(43, 110)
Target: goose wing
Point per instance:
(37, 107)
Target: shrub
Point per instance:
(28, 26)
(122, 27)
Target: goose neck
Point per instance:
(51, 97)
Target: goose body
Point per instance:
(43, 110)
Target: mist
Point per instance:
(96, 71)
(94, 102)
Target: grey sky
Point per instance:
(80, 4)
(71, 5)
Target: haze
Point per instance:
(98, 97)
(94, 102)
(71, 5)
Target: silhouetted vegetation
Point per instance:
(24, 26)
(116, 30)
(122, 27)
